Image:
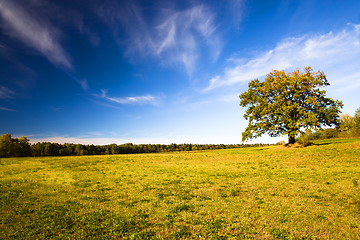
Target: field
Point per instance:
(258, 193)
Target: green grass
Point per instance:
(258, 193)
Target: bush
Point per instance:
(352, 132)
(309, 135)
(330, 133)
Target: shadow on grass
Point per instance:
(322, 144)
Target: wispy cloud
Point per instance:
(34, 32)
(322, 51)
(82, 82)
(174, 36)
(3, 46)
(236, 9)
(7, 109)
(6, 93)
(135, 100)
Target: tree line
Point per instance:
(21, 147)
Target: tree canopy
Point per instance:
(357, 119)
(287, 103)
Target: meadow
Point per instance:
(270, 192)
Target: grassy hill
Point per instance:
(264, 192)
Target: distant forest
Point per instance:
(21, 147)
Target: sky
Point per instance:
(161, 72)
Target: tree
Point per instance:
(357, 120)
(287, 103)
(350, 126)
(6, 145)
(24, 146)
(346, 122)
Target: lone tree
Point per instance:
(287, 103)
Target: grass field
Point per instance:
(259, 193)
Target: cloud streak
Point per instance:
(321, 51)
(6, 93)
(134, 100)
(7, 109)
(173, 36)
(34, 32)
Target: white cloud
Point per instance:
(83, 83)
(236, 9)
(328, 52)
(172, 36)
(6, 93)
(185, 32)
(169, 30)
(146, 99)
(34, 32)
(7, 109)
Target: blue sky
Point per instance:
(99, 72)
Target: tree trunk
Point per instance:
(291, 139)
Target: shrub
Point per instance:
(330, 133)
